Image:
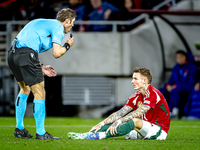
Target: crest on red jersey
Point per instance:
(139, 104)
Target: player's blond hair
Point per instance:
(145, 72)
(66, 13)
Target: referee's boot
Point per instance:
(46, 136)
(24, 134)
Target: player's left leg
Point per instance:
(101, 134)
(134, 129)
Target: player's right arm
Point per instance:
(116, 115)
(113, 117)
(59, 50)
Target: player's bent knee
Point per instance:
(138, 123)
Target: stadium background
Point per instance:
(95, 75)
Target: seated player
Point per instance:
(145, 115)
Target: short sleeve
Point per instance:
(57, 35)
(132, 101)
(151, 99)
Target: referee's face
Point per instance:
(68, 25)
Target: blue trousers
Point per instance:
(176, 96)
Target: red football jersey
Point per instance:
(159, 112)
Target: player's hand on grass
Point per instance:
(48, 70)
(113, 127)
(97, 127)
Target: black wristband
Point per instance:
(67, 46)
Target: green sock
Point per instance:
(122, 129)
(104, 128)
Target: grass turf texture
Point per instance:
(182, 135)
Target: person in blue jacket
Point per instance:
(101, 11)
(181, 82)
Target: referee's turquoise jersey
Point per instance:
(40, 34)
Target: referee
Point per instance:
(37, 36)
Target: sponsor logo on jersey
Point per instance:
(147, 102)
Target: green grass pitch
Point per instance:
(182, 135)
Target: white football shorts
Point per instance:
(148, 131)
